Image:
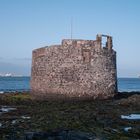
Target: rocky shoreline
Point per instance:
(22, 118)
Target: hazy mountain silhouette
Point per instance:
(17, 69)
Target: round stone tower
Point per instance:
(76, 68)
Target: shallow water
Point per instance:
(5, 109)
(131, 117)
(127, 129)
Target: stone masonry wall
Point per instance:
(76, 68)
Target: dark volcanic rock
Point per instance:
(70, 120)
(55, 135)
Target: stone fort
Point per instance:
(76, 68)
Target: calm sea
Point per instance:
(10, 84)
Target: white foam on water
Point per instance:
(1, 92)
(131, 117)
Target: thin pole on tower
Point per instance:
(71, 27)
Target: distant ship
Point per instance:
(6, 75)
(10, 75)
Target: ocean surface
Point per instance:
(128, 84)
(11, 84)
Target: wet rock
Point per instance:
(60, 135)
(25, 117)
(104, 119)
(14, 122)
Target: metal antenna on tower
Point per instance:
(71, 27)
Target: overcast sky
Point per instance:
(29, 24)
